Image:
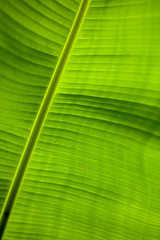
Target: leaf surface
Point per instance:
(94, 172)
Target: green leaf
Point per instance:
(80, 119)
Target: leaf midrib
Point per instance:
(41, 115)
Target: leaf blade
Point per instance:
(102, 122)
(39, 120)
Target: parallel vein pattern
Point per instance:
(34, 133)
(94, 173)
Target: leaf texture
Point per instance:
(94, 173)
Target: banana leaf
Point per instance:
(80, 119)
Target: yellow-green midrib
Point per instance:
(46, 101)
